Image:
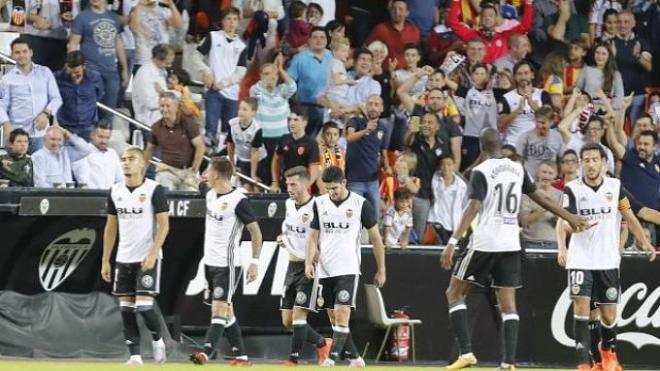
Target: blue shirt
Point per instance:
(310, 74)
(79, 100)
(99, 34)
(362, 157)
(641, 178)
(24, 97)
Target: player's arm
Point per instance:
(633, 224)
(563, 229)
(109, 238)
(311, 248)
(246, 215)
(578, 223)
(369, 221)
(161, 211)
(641, 211)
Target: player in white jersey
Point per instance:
(334, 243)
(138, 210)
(227, 212)
(299, 296)
(593, 257)
(493, 254)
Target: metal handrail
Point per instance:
(148, 128)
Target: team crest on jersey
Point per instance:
(349, 213)
(301, 298)
(343, 296)
(305, 218)
(142, 197)
(612, 293)
(147, 281)
(224, 206)
(609, 196)
(380, 135)
(301, 151)
(575, 289)
(218, 292)
(62, 256)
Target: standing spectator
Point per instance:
(181, 146)
(46, 31)
(610, 27)
(52, 163)
(398, 220)
(593, 133)
(96, 33)
(577, 51)
(101, 169)
(227, 67)
(80, 89)
(273, 104)
(541, 143)
(635, 62)
(28, 95)
(299, 29)
(518, 47)
(366, 149)
(517, 107)
(149, 23)
(556, 21)
(423, 140)
(124, 8)
(404, 167)
(295, 149)
(449, 193)
(330, 153)
(397, 32)
(597, 16)
(383, 76)
(16, 165)
(311, 69)
(538, 223)
(603, 75)
(150, 81)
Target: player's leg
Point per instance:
(581, 287)
(124, 288)
(234, 335)
(507, 277)
(339, 296)
(594, 332)
(147, 287)
(606, 287)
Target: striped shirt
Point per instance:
(273, 107)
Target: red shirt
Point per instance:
(299, 32)
(395, 39)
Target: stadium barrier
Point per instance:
(52, 245)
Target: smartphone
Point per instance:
(414, 123)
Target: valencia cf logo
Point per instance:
(301, 151)
(380, 135)
(142, 197)
(224, 206)
(62, 256)
(305, 218)
(349, 213)
(575, 289)
(285, 148)
(609, 196)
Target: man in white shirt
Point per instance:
(52, 163)
(149, 82)
(101, 169)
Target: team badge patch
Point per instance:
(218, 292)
(343, 296)
(147, 281)
(301, 298)
(142, 197)
(349, 213)
(224, 206)
(305, 217)
(609, 196)
(575, 289)
(320, 302)
(612, 293)
(63, 255)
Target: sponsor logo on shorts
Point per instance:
(147, 281)
(612, 293)
(218, 292)
(63, 255)
(301, 298)
(344, 296)
(575, 289)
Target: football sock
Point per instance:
(350, 349)
(131, 331)
(213, 334)
(339, 336)
(594, 330)
(510, 323)
(582, 339)
(146, 310)
(234, 336)
(458, 317)
(609, 336)
(314, 337)
(299, 334)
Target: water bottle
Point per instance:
(138, 139)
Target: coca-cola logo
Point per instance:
(637, 310)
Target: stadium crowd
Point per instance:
(394, 92)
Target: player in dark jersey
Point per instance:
(138, 210)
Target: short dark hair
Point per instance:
(476, 66)
(567, 153)
(649, 133)
(358, 52)
(297, 9)
(402, 194)
(643, 115)
(593, 147)
(251, 101)
(319, 29)
(161, 51)
(231, 10)
(335, 24)
(333, 174)
(412, 46)
(18, 132)
(299, 171)
(223, 166)
(75, 59)
(317, 6)
(103, 124)
(301, 111)
(510, 147)
(545, 111)
(596, 118)
(329, 125)
(521, 63)
(21, 40)
(609, 12)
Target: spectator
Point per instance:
(311, 69)
(181, 146)
(339, 81)
(422, 14)
(29, 96)
(52, 163)
(366, 150)
(327, 13)
(449, 197)
(336, 30)
(101, 169)
(518, 106)
(634, 59)
(46, 30)
(541, 143)
(411, 55)
(550, 79)
(227, 66)
(475, 51)
(568, 169)
(398, 220)
(80, 89)
(245, 145)
(494, 41)
(382, 75)
(597, 16)
(610, 27)
(424, 141)
(554, 22)
(273, 104)
(16, 165)
(330, 153)
(539, 224)
(315, 13)
(96, 33)
(404, 167)
(150, 23)
(603, 75)
(577, 51)
(175, 83)
(518, 47)
(397, 32)
(295, 149)
(442, 40)
(593, 132)
(150, 81)
(299, 29)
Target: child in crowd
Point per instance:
(174, 83)
(245, 142)
(331, 153)
(314, 14)
(299, 28)
(412, 55)
(404, 166)
(449, 197)
(398, 220)
(339, 80)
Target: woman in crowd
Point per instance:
(602, 75)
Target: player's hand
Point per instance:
(649, 250)
(379, 279)
(561, 258)
(106, 270)
(309, 271)
(252, 272)
(280, 241)
(580, 224)
(149, 262)
(447, 257)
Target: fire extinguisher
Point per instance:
(400, 338)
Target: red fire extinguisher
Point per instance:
(400, 338)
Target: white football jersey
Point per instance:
(598, 247)
(136, 218)
(499, 184)
(397, 223)
(525, 121)
(296, 226)
(243, 137)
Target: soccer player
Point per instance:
(334, 241)
(493, 254)
(227, 212)
(593, 257)
(138, 210)
(300, 293)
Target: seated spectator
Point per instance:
(299, 29)
(181, 146)
(175, 83)
(398, 221)
(568, 169)
(16, 165)
(80, 89)
(52, 163)
(245, 145)
(397, 32)
(150, 23)
(149, 82)
(101, 169)
(538, 223)
(518, 47)
(449, 198)
(603, 75)
(331, 154)
(29, 96)
(541, 143)
(404, 167)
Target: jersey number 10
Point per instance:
(510, 200)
